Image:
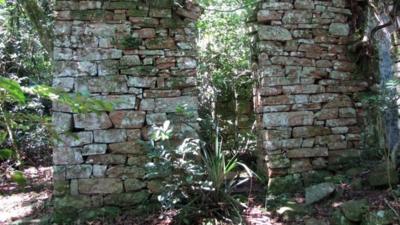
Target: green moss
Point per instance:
(103, 213)
(315, 177)
(129, 42)
(287, 184)
(137, 12)
(173, 23)
(121, 5)
(161, 3)
(90, 14)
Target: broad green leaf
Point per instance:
(2, 2)
(13, 89)
(3, 136)
(6, 154)
(18, 177)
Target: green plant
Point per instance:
(15, 115)
(226, 81)
(129, 42)
(198, 180)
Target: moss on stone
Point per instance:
(129, 42)
(104, 213)
(90, 14)
(286, 184)
(161, 3)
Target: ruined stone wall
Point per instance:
(308, 117)
(141, 56)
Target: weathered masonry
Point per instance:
(308, 117)
(140, 55)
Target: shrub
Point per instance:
(198, 181)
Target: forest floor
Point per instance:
(31, 203)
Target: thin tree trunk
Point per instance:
(38, 18)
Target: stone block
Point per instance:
(109, 136)
(277, 161)
(130, 60)
(128, 119)
(274, 33)
(339, 29)
(297, 16)
(160, 13)
(62, 122)
(133, 184)
(273, 145)
(276, 134)
(66, 155)
(94, 149)
(160, 43)
(62, 54)
(92, 54)
(307, 153)
(300, 165)
(137, 160)
(125, 172)
(100, 186)
(142, 82)
(75, 139)
(108, 159)
(186, 63)
(285, 184)
(156, 118)
(310, 131)
(120, 102)
(303, 89)
(63, 83)
(161, 93)
(132, 148)
(92, 121)
(79, 171)
(99, 170)
(318, 192)
(59, 173)
(347, 113)
(304, 4)
(341, 122)
(327, 113)
(126, 199)
(108, 67)
(74, 69)
(286, 119)
(90, 15)
(268, 15)
(115, 84)
(189, 103)
(147, 104)
(277, 5)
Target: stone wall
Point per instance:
(141, 56)
(308, 116)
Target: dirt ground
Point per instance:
(30, 201)
(34, 202)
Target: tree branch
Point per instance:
(37, 17)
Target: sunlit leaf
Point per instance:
(13, 89)
(18, 177)
(6, 154)
(3, 136)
